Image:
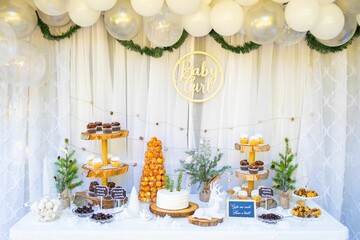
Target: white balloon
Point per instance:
(53, 7)
(302, 15)
(54, 21)
(325, 1)
(330, 23)
(358, 19)
(183, 7)
(207, 2)
(147, 8)
(281, 1)
(198, 23)
(26, 69)
(8, 42)
(101, 5)
(227, 18)
(81, 14)
(246, 2)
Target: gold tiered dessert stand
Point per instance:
(251, 178)
(107, 170)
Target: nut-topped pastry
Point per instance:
(107, 128)
(91, 128)
(253, 168)
(98, 126)
(115, 126)
(244, 165)
(260, 164)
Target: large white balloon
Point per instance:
(164, 29)
(246, 2)
(227, 18)
(81, 14)
(183, 7)
(54, 21)
(358, 19)
(264, 22)
(101, 5)
(325, 1)
(302, 15)
(147, 8)
(281, 1)
(198, 23)
(20, 16)
(27, 68)
(349, 6)
(330, 23)
(289, 36)
(346, 33)
(53, 7)
(8, 42)
(122, 22)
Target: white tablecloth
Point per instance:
(69, 226)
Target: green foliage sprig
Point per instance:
(199, 164)
(179, 180)
(246, 48)
(66, 174)
(49, 36)
(153, 52)
(284, 178)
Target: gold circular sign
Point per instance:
(198, 76)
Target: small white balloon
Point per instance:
(8, 43)
(246, 2)
(183, 7)
(325, 1)
(101, 5)
(302, 15)
(198, 23)
(330, 23)
(81, 14)
(53, 7)
(147, 8)
(227, 18)
(351, 7)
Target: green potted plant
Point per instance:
(202, 168)
(284, 179)
(66, 178)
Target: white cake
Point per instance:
(172, 200)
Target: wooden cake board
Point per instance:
(174, 213)
(205, 222)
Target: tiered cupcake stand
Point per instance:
(106, 170)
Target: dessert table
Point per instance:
(69, 226)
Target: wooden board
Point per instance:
(102, 136)
(174, 213)
(250, 148)
(205, 222)
(106, 203)
(105, 172)
(245, 175)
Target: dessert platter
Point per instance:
(84, 211)
(304, 211)
(304, 193)
(270, 218)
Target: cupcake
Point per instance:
(115, 126)
(244, 165)
(107, 128)
(254, 141)
(93, 185)
(253, 168)
(255, 195)
(244, 139)
(97, 163)
(243, 195)
(261, 138)
(115, 161)
(89, 160)
(98, 126)
(260, 165)
(91, 128)
(245, 187)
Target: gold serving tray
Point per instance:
(250, 148)
(245, 175)
(105, 172)
(104, 136)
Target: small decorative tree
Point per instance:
(201, 168)
(284, 179)
(67, 170)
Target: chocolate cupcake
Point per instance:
(106, 128)
(244, 165)
(93, 185)
(110, 185)
(260, 165)
(115, 126)
(253, 168)
(98, 126)
(91, 128)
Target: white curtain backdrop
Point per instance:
(278, 91)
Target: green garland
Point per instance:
(246, 48)
(153, 52)
(49, 36)
(314, 44)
